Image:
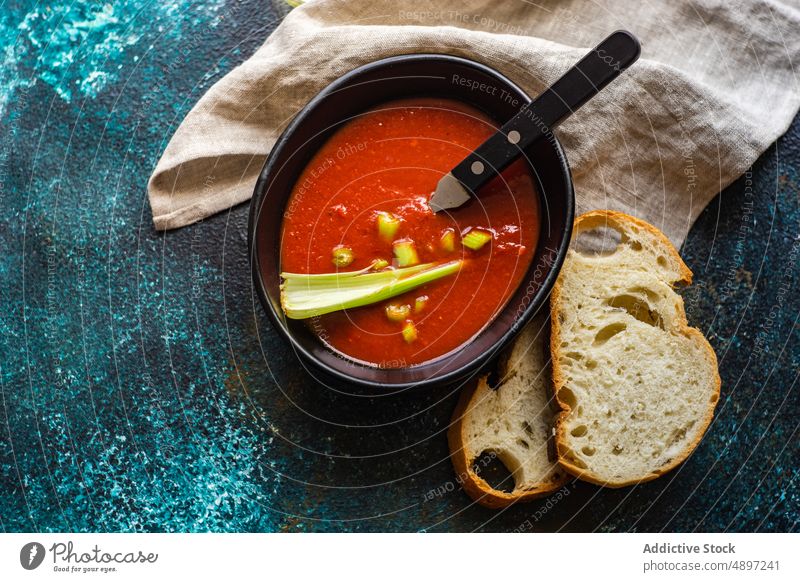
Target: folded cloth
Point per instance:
(715, 86)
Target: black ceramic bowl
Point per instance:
(393, 78)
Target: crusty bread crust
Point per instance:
(474, 485)
(588, 221)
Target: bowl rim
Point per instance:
(260, 189)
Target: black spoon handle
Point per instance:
(537, 119)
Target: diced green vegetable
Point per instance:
(396, 312)
(420, 303)
(304, 295)
(379, 264)
(388, 224)
(409, 332)
(405, 252)
(448, 240)
(475, 239)
(342, 256)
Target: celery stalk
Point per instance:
(304, 296)
(376, 265)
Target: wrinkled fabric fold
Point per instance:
(714, 88)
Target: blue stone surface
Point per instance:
(142, 388)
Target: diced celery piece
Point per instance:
(388, 224)
(405, 252)
(342, 256)
(420, 303)
(475, 239)
(409, 332)
(448, 240)
(396, 312)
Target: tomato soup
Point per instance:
(383, 166)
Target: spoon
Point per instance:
(537, 119)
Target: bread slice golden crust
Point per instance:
(671, 270)
(513, 422)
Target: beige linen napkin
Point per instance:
(715, 86)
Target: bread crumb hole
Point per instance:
(579, 431)
(523, 443)
(588, 451)
(636, 308)
(636, 245)
(601, 241)
(649, 293)
(494, 377)
(617, 449)
(608, 332)
(591, 364)
(662, 261)
(567, 396)
(489, 467)
(577, 462)
(526, 426)
(676, 436)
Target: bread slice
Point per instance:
(637, 385)
(513, 422)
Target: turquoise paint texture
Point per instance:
(142, 389)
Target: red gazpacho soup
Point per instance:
(362, 201)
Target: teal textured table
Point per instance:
(142, 389)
